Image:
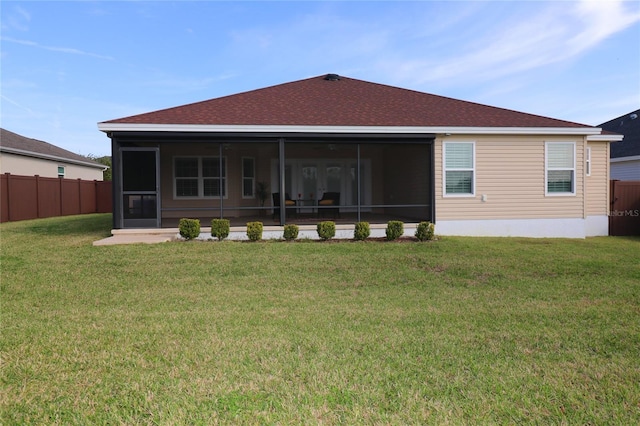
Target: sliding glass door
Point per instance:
(309, 179)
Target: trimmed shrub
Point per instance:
(362, 231)
(425, 231)
(220, 228)
(395, 229)
(291, 232)
(189, 228)
(326, 230)
(254, 231)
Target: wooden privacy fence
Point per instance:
(32, 197)
(624, 217)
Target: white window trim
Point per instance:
(253, 179)
(445, 170)
(64, 171)
(546, 171)
(587, 162)
(200, 178)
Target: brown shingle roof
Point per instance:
(18, 144)
(345, 102)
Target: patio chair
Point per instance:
(288, 202)
(330, 203)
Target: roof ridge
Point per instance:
(343, 101)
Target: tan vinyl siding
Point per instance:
(598, 183)
(510, 172)
(30, 166)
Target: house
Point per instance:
(389, 153)
(625, 155)
(20, 155)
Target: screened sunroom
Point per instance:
(376, 179)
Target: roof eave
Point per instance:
(605, 138)
(623, 159)
(211, 128)
(52, 157)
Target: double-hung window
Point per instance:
(459, 168)
(248, 177)
(186, 172)
(200, 177)
(560, 168)
(214, 177)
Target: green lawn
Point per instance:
(457, 331)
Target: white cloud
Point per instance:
(18, 19)
(600, 19)
(556, 34)
(69, 50)
(11, 101)
(603, 109)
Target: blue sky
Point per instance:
(65, 66)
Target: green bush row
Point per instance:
(190, 229)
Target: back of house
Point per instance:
(389, 153)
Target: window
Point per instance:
(60, 171)
(587, 164)
(560, 168)
(459, 168)
(186, 172)
(212, 176)
(200, 177)
(248, 177)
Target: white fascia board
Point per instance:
(604, 138)
(52, 157)
(211, 128)
(623, 159)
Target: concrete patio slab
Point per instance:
(134, 239)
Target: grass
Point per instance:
(458, 331)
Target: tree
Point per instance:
(106, 160)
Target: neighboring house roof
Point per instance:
(338, 102)
(17, 144)
(629, 126)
